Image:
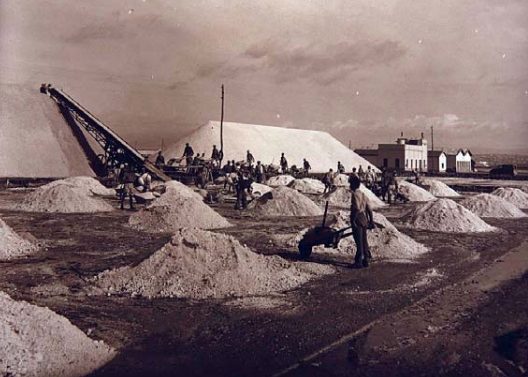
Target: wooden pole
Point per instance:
(432, 139)
(222, 127)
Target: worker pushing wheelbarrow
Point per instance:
(324, 235)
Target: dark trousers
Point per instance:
(127, 191)
(360, 238)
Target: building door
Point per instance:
(385, 162)
(397, 163)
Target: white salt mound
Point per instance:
(12, 245)
(342, 197)
(260, 189)
(284, 201)
(91, 185)
(341, 180)
(513, 195)
(39, 342)
(445, 215)
(202, 264)
(177, 208)
(414, 193)
(62, 198)
(385, 241)
(308, 186)
(440, 189)
(280, 180)
(487, 205)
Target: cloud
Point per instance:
(321, 64)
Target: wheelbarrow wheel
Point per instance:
(305, 249)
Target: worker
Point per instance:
(144, 181)
(260, 173)
(416, 176)
(329, 181)
(306, 166)
(370, 178)
(249, 158)
(215, 155)
(127, 178)
(390, 185)
(283, 163)
(361, 173)
(340, 167)
(160, 160)
(188, 153)
(361, 219)
(243, 185)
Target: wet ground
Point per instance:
(254, 336)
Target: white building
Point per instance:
(460, 162)
(404, 155)
(437, 161)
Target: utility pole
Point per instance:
(222, 128)
(432, 139)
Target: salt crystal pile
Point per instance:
(514, 195)
(341, 180)
(177, 208)
(202, 264)
(62, 198)
(91, 185)
(342, 197)
(280, 180)
(440, 189)
(284, 201)
(39, 342)
(308, 186)
(260, 189)
(445, 215)
(414, 193)
(487, 205)
(12, 245)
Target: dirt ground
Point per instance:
(265, 335)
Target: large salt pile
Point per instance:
(440, 189)
(280, 180)
(177, 208)
(513, 195)
(308, 186)
(201, 264)
(487, 205)
(260, 189)
(39, 342)
(414, 193)
(341, 197)
(385, 241)
(90, 184)
(445, 215)
(12, 245)
(284, 201)
(62, 198)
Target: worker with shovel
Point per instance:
(361, 219)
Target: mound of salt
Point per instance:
(12, 245)
(62, 198)
(513, 195)
(280, 180)
(39, 342)
(308, 186)
(201, 264)
(445, 215)
(260, 189)
(413, 192)
(487, 205)
(177, 208)
(341, 197)
(440, 189)
(90, 184)
(341, 180)
(385, 241)
(284, 201)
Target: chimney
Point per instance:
(422, 135)
(401, 134)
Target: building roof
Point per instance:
(366, 152)
(435, 153)
(266, 143)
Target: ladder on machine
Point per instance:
(116, 150)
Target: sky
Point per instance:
(362, 70)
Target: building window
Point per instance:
(442, 165)
(406, 162)
(397, 163)
(385, 162)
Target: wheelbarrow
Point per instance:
(323, 235)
